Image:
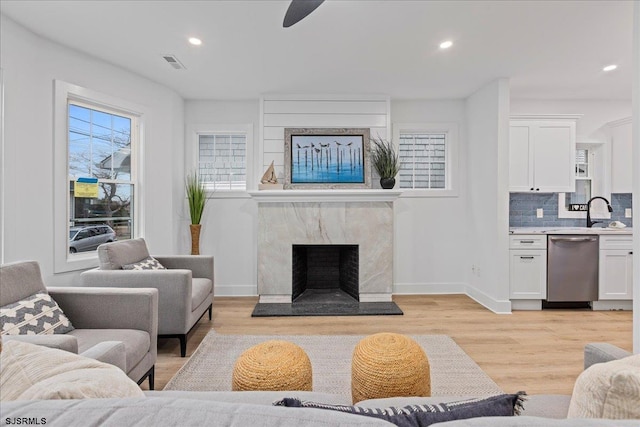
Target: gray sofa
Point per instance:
(185, 288)
(115, 326)
(183, 408)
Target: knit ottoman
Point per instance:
(272, 365)
(389, 365)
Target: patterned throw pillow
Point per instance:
(425, 415)
(38, 314)
(149, 263)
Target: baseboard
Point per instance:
(497, 306)
(612, 305)
(235, 290)
(428, 288)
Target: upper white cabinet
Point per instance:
(542, 153)
(620, 133)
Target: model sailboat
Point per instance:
(269, 180)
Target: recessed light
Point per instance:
(610, 67)
(446, 44)
(195, 41)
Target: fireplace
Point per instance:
(326, 273)
(362, 220)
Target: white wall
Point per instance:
(596, 113)
(636, 174)
(30, 65)
(487, 186)
(229, 221)
(431, 232)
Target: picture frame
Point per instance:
(327, 158)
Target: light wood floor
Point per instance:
(535, 351)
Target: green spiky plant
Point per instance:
(384, 158)
(197, 196)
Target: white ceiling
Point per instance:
(549, 49)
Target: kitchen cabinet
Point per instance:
(528, 267)
(620, 138)
(615, 268)
(542, 153)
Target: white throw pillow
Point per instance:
(608, 390)
(31, 372)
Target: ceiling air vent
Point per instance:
(174, 62)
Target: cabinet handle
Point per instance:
(531, 188)
(630, 252)
(537, 189)
(526, 241)
(526, 257)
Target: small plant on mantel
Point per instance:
(197, 197)
(385, 161)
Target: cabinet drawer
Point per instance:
(528, 241)
(624, 241)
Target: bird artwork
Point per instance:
(325, 159)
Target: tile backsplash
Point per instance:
(522, 210)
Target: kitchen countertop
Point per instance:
(569, 230)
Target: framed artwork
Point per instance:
(327, 158)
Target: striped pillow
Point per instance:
(38, 314)
(425, 415)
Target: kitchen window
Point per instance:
(428, 159)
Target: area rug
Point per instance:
(453, 372)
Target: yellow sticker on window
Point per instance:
(86, 187)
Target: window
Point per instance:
(222, 156)
(97, 138)
(428, 158)
(99, 148)
(222, 160)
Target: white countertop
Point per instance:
(569, 230)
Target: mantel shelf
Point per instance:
(321, 196)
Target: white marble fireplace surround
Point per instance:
(310, 217)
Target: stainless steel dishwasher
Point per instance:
(572, 268)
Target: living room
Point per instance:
(449, 248)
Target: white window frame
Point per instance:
(452, 168)
(597, 161)
(63, 93)
(193, 138)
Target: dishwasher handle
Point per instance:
(573, 239)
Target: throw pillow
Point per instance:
(149, 263)
(425, 415)
(33, 372)
(37, 314)
(608, 390)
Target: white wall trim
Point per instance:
(442, 288)
(235, 290)
(2, 168)
(497, 306)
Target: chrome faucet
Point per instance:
(589, 222)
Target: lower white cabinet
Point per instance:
(615, 274)
(528, 270)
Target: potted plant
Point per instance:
(197, 197)
(384, 159)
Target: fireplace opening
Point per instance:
(325, 274)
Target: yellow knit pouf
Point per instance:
(272, 365)
(389, 365)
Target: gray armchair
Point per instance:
(116, 326)
(185, 288)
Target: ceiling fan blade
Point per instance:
(298, 10)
